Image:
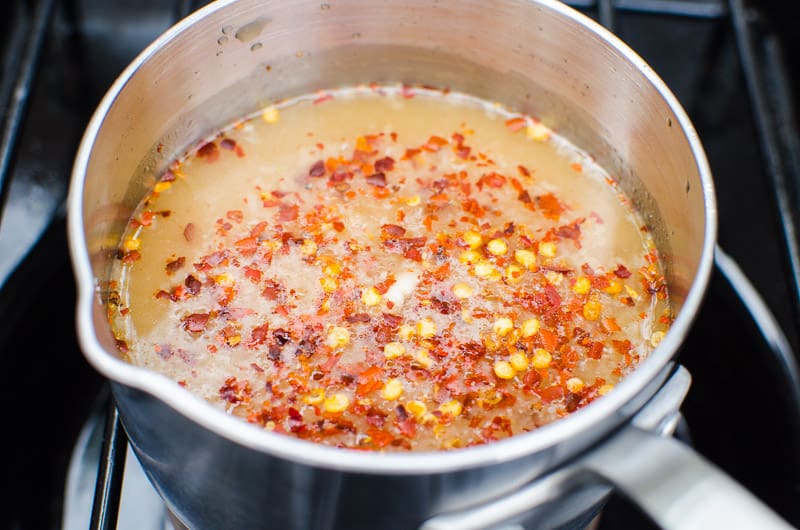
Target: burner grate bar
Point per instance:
(110, 473)
(766, 106)
(18, 102)
(711, 9)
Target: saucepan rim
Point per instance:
(206, 415)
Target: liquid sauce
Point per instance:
(389, 269)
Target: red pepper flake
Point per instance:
(235, 215)
(358, 317)
(411, 153)
(130, 257)
(168, 176)
(515, 124)
(235, 391)
(121, 345)
(551, 207)
(407, 427)
(383, 286)
(525, 197)
(208, 151)
(228, 143)
(338, 226)
(552, 393)
(192, 284)
(272, 290)
(525, 172)
(571, 231)
(288, 212)
(247, 246)
(623, 347)
(258, 229)
(317, 169)
(407, 92)
(196, 322)
(175, 264)
(379, 437)
(622, 272)
(189, 231)
(434, 143)
(384, 164)
(147, 218)
(549, 339)
(610, 324)
(493, 180)
(253, 274)
(369, 380)
(258, 336)
(576, 167)
(595, 350)
(377, 179)
(393, 230)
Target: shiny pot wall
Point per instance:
(226, 61)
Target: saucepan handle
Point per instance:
(675, 486)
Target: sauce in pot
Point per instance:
(389, 269)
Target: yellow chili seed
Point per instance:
(537, 132)
(541, 358)
(605, 389)
(452, 408)
(472, 239)
(332, 269)
(502, 326)
(484, 269)
(497, 247)
(392, 389)
(575, 385)
(513, 273)
(162, 186)
(223, 279)
(233, 340)
(582, 285)
(309, 247)
(270, 114)
(503, 370)
(547, 249)
(526, 258)
(336, 403)
(393, 350)
(130, 245)
(554, 278)
(656, 338)
(423, 358)
(592, 309)
(270, 425)
(468, 257)
(370, 297)
(314, 397)
(426, 328)
(328, 284)
(406, 331)
(530, 327)
(414, 200)
(632, 292)
(462, 290)
(337, 337)
(519, 361)
(416, 408)
(614, 286)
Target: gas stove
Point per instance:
(730, 65)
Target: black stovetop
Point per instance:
(739, 412)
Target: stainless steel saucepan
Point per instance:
(536, 56)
